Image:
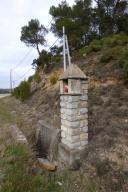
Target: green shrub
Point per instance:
(124, 64)
(23, 91)
(106, 43)
(94, 46)
(30, 79)
(112, 54)
(37, 77)
(115, 40)
(53, 79)
(106, 57)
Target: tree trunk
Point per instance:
(38, 50)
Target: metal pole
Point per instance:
(13, 85)
(64, 55)
(11, 80)
(69, 58)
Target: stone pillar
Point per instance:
(74, 116)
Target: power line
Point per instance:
(53, 44)
(21, 61)
(23, 75)
(49, 23)
(16, 73)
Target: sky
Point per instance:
(14, 54)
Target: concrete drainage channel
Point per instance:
(47, 140)
(46, 144)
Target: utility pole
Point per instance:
(69, 58)
(11, 80)
(65, 50)
(64, 53)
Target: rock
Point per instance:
(17, 135)
(45, 164)
(59, 183)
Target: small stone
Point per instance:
(45, 164)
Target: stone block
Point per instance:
(82, 117)
(73, 98)
(73, 131)
(84, 143)
(70, 144)
(74, 145)
(85, 91)
(64, 141)
(62, 110)
(71, 117)
(63, 134)
(73, 105)
(64, 128)
(83, 111)
(83, 104)
(76, 117)
(85, 86)
(84, 82)
(61, 98)
(63, 116)
(69, 157)
(83, 123)
(73, 139)
(63, 104)
(74, 124)
(70, 124)
(84, 129)
(70, 111)
(66, 98)
(84, 98)
(83, 136)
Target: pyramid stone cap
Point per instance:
(73, 72)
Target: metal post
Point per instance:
(11, 80)
(64, 54)
(69, 58)
(13, 85)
